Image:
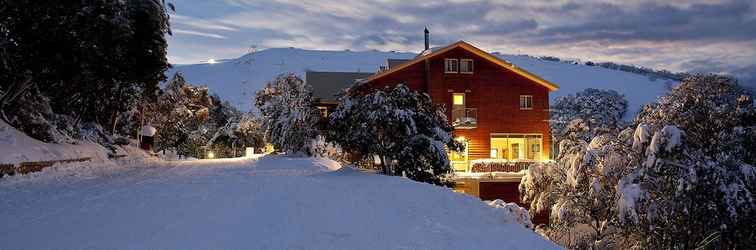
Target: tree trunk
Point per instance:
(114, 121)
(386, 166)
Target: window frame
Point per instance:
(447, 63)
(524, 100)
(472, 66)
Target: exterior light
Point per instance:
(494, 153)
(210, 155)
(249, 151)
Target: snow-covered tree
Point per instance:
(579, 188)
(601, 111)
(288, 113)
(180, 115)
(694, 186)
(400, 127)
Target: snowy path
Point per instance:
(266, 203)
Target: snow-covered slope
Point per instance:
(265, 203)
(238, 79)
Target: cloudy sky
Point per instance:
(693, 35)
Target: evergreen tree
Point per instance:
(401, 127)
(90, 60)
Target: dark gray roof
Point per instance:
(395, 62)
(326, 85)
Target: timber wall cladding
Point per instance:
(493, 90)
(35, 166)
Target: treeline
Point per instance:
(651, 73)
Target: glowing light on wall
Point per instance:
(210, 155)
(249, 151)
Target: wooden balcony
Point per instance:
(465, 118)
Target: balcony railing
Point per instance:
(465, 117)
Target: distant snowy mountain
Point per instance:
(236, 80)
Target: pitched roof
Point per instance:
(396, 62)
(326, 85)
(464, 45)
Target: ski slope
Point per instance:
(270, 202)
(237, 80)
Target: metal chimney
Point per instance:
(427, 39)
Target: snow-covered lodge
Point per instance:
(500, 111)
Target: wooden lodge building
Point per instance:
(500, 111)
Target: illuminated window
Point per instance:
(451, 65)
(458, 99)
(516, 147)
(526, 102)
(466, 66)
(323, 111)
(460, 156)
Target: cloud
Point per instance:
(200, 23)
(197, 33)
(650, 33)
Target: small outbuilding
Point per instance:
(148, 137)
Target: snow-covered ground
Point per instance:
(238, 79)
(271, 202)
(17, 147)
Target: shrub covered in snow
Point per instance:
(319, 147)
(288, 113)
(597, 111)
(513, 212)
(401, 127)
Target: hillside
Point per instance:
(244, 203)
(237, 79)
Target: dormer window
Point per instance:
(451, 66)
(466, 66)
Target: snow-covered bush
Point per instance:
(599, 111)
(288, 113)
(319, 147)
(513, 213)
(579, 189)
(407, 133)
